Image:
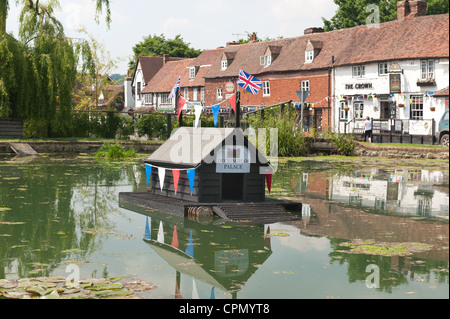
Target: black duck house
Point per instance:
(228, 167)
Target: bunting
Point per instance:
(190, 246)
(175, 238)
(147, 234)
(232, 100)
(191, 176)
(176, 178)
(215, 109)
(148, 171)
(198, 113)
(162, 176)
(181, 105)
(269, 182)
(160, 238)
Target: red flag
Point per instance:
(176, 178)
(181, 104)
(233, 102)
(269, 182)
(175, 238)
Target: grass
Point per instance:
(404, 145)
(74, 139)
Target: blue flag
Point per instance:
(215, 110)
(147, 231)
(148, 171)
(191, 176)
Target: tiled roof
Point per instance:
(151, 65)
(165, 79)
(410, 38)
(442, 93)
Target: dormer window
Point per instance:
(266, 61)
(224, 65)
(191, 73)
(309, 56)
(312, 50)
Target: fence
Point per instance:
(396, 131)
(10, 128)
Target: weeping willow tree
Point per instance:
(39, 70)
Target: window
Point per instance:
(343, 112)
(186, 93)
(165, 99)
(427, 69)
(417, 107)
(148, 99)
(224, 65)
(359, 71)
(266, 60)
(309, 56)
(219, 94)
(202, 95)
(191, 73)
(138, 90)
(383, 69)
(305, 86)
(359, 110)
(194, 95)
(266, 88)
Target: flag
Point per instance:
(175, 89)
(162, 175)
(148, 171)
(215, 109)
(198, 113)
(191, 176)
(249, 82)
(176, 179)
(232, 100)
(181, 105)
(269, 182)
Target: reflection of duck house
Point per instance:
(212, 167)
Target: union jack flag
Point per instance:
(175, 89)
(249, 82)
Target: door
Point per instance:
(318, 120)
(233, 187)
(388, 110)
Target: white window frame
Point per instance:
(358, 110)
(191, 73)
(266, 88)
(416, 108)
(219, 94)
(194, 94)
(383, 69)
(343, 114)
(427, 69)
(309, 56)
(202, 95)
(148, 99)
(224, 65)
(306, 86)
(359, 71)
(165, 98)
(186, 93)
(266, 60)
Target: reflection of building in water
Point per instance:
(419, 193)
(206, 252)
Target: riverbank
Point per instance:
(148, 147)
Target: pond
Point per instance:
(376, 229)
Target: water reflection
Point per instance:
(62, 210)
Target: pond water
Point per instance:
(368, 230)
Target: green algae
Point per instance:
(370, 247)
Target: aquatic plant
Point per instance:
(114, 152)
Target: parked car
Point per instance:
(442, 133)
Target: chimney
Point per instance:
(253, 37)
(314, 30)
(407, 9)
(165, 58)
(129, 99)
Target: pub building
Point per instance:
(393, 74)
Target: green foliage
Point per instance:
(290, 141)
(114, 152)
(158, 45)
(345, 144)
(351, 13)
(154, 126)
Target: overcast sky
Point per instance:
(205, 24)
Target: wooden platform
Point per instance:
(22, 149)
(268, 212)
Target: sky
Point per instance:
(205, 24)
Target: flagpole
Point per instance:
(238, 105)
(177, 102)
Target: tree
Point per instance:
(158, 45)
(352, 13)
(38, 72)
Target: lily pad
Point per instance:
(139, 285)
(370, 247)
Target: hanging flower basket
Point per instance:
(432, 108)
(401, 105)
(346, 108)
(429, 82)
